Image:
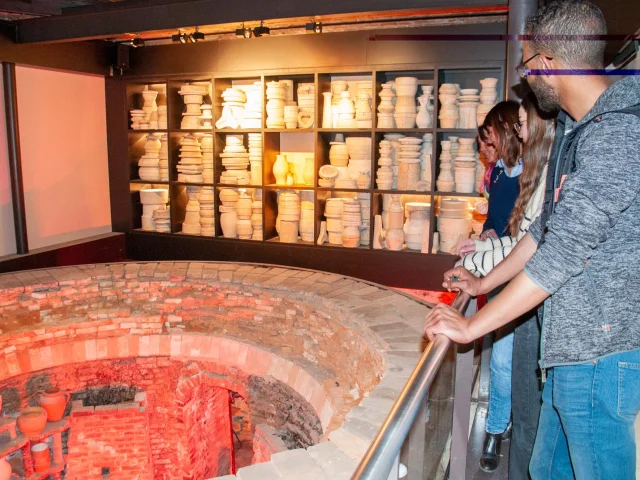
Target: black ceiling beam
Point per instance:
(30, 7)
(145, 16)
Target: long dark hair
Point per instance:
(535, 154)
(502, 119)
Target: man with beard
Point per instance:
(580, 256)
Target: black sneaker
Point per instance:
(491, 452)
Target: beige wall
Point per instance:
(7, 231)
(63, 142)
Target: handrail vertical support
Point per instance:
(462, 405)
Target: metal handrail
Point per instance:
(381, 454)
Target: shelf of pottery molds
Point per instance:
(345, 130)
(239, 130)
(148, 182)
(405, 192)
(153, 231)
(273, 186)
(403, 130)
(191, 184)
(289, 130)
(338, 189)
(457, 194)
(299, 242)
(147, 131)
(458, 130)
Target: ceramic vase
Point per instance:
(228, 223)
(327, 116)
(54, 401)
(423, 118)
(281, 170)
(309, 169)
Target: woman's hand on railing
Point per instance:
(449, 322)
(460, 280)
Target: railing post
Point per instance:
(462, 405)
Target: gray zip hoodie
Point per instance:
(590, 258)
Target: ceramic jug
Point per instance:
(54, 401)
(423, 118)
(280, 170)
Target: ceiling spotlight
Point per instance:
(135, 42)
(261, 30)
(197, 36)
(179, 38)
(243, 32)
(313, 27)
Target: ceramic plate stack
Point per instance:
(191, 224)
(275, 104)
(253, 108)
(190, 165)
(289, 217)
(351, 221)
(395, 146)
(162, 117)
(405, 110)
(206, 145)
(465, 165)
(149, 163)
(417, 224)
(468, 107)
(386, 107)
(207, 212)
(384, 175)
(228, 216)
(425, 161)
(235, 160)
(307, 220)
(255, 157)
(365, 215)
(193, 98)
(256, 218)
(454, 223)
(162, 220)
(152, 199)
(359, 149)
(488, 97)
(306, 105)
(445, 182)
(333, 214)
(449, 113)
(409, 163)
(206, 118)
(163, 158)
(243, 214)
(137, 118)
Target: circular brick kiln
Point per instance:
(196, 370)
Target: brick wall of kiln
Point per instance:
(266, 442)
(109, 438)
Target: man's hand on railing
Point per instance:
(449, 322)
(460, 280)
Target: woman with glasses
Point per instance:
(536, 131)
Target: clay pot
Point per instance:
(5, 469)
(32, 420)
(280, 170)
(54, 401)
(41, 457)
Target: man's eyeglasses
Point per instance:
(522, 68)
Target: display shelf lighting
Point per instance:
(313, 27)
(179, 37)
(243, 32)
(261, 30)
(136, 42)
(197, 36)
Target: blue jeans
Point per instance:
(586, 421)
(500, 385)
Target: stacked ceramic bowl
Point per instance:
(163, 158)
(291, 116)
(468, 108)
(243, 215)
(193, 98)
(365, 215)
(149, 163)
(275, 105)
(416, 228)
(328, 175)
(384, 175)
(307, 220)
(152, 199)
(409, 163)
(289, 217)
(253, 108)
(162, 220)
(488, 98)
(190, 165)
(386, 107)
(228, 216)
(162, 117)
(359, 149)
(351, 221)
(465, 165)
(454, 223)
(235, 160)
(306, 105)
(405, 110)
(207, 212)
(445, 181)
(425, 161)
(137, 118)
(449, 112)
(256, 218)
(191, 224)
(255, 157)
(333, 214)
(206, 146)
